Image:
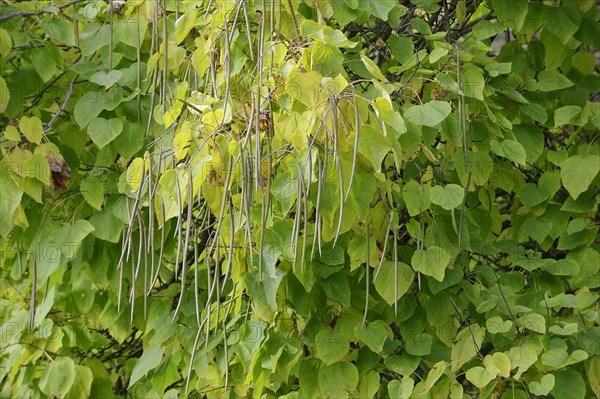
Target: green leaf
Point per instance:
(421, 26)
(567, 115)
(309, 377)
(338, 380)
(4, 95)
(372, 68)
(305, 87)
(498, 68)
(264, 289)
(578, 172)
(552, 80)
(87, 108)
(431, 262)
(71, 236)
(378, 8)
(537, 229)
(436, 54)
(337, 288)
(428, 114)
(558, 357)
(498, 363)
(534, 111)
(327, 58)
(149, 360)
(31, 128)
(5, 44)
(106, 225)
(495, 325)
(434, 374)
(464, 348)
(386, 113)
(402, 48)
(93, 192)
(531, 195)
(369, 384)
(82, 384)
(543, 387)
(384, 284)
(374, 334)
(43, 63)
(184, 24)
(103, 131)
(479, 376)
(563, 22)
(419, 345)
(416, 196)
(373, 145)
(533, 321)
(59, 29)
(10, 200)
(485, 29)
(510, 149)
(58, 377)
(331, 347)
(473, 83)
(106, 79)
(531, 138)
(569, 384)
(326, 34)
(448, 197)
(513, 13)
(561, 267)
(401, 389)
(12, 134)
(594, 375)
(523, 357)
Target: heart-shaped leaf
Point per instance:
(31, 128)
(431, 262)
(106, 79)
(103, 131)
(479, 376)
(448, 197)
(429, 114)
(578, 172)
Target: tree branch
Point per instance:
(30, 13)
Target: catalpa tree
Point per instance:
(299, 199)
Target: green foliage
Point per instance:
(367, 198)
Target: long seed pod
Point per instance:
(395, 271)
(231, 245)
(188, 230)
(178, 227)
(338, 164)
(356, 138)
(387, 234)
(305, 228)
(317, 211)
(367, 274)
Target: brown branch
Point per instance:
(31, 13)
(63, 105)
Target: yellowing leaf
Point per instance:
(12, 134)
(181, 141)
(4, 95)
(31, 128)
(135, 172)
(498, 363)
